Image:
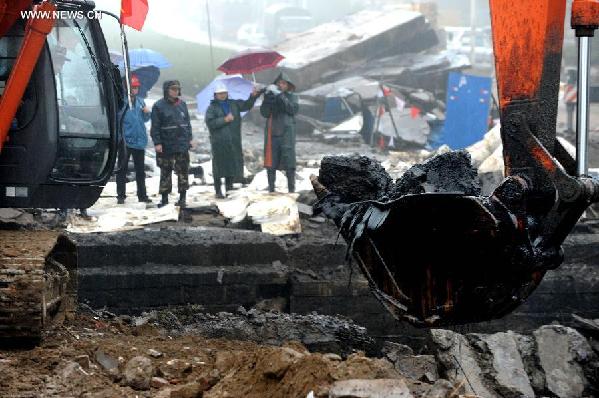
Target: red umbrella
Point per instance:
(251, 61)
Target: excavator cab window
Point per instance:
(9, 48)
(84, 131)
(62, 144)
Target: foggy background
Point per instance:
(179, 28)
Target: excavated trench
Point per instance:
(221, 270)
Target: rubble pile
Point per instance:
(554, 361)
(376, 76)
(318, 333)
(102, 355)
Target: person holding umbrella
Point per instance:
(223, 119)
(279, 107)
(136, 139)
(171, 133)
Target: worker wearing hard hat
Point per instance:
(280, 106)
(136, 139)
(223, 119)
(171, 133)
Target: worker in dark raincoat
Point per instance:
(279, 107)
(223, 119)
(172, 137)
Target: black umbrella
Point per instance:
(148, 76)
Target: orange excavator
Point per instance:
(60, 96)
(437, 259)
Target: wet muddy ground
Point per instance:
(92, 356)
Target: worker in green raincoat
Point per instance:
(279, 107)
(223, 119)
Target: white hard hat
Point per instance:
(220, 88)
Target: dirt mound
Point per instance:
(94, 357)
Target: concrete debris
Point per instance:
(586, 326)
(444, 389)
(154, 354)
(394, 351)
(174, 369)
(418, 367)
(563, 354)
(382, 388)
(9, 214)
(138, 373)
(332, 46)
(460, 362)
(556, 361)
(319, 333)
(109, 364)
(158, 382)
(487, 157)
(507, 365)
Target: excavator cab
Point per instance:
(59, 124)
(437, 259)
(62, 142)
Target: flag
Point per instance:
(133, 13)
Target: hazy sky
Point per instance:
(165, 16)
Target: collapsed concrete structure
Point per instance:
(345, 44)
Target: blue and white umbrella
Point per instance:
(141, 57)
(237, 86)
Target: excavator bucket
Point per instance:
(437, 259)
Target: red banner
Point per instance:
(133, 13)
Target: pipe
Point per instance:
(582, 114)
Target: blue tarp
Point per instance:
(467, 115)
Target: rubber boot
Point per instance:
(272, 176)
(182, 199)
(229, 183)
(164, 201)
(218, 189)
(291, 180)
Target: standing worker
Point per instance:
(571, 99)
(136, 139)
(280, 106)
(223, 119)
(171, 133)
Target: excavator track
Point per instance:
(33, 288)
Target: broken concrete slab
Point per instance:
(562, 351)
(460, 362)
(506, 364)
(368, 34)
(418, 367)
(378, 388)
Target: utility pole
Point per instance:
(210, 36)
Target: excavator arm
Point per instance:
(451, 258)
(35, 38)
